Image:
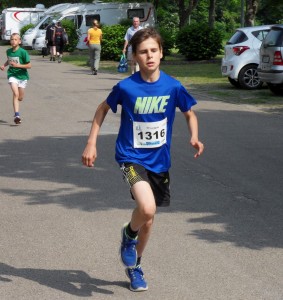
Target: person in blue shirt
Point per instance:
(148, 99)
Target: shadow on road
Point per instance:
(237, 183)
(73, 282)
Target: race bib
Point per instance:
(13, 59)
(150, 134)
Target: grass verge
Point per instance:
(201, 78)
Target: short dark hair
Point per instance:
(144, 34)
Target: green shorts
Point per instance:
(159, 182)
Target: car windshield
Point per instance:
(274, 38)
(238, 37)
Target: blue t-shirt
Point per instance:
(147, 116)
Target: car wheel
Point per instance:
(234, 82)
(248, 77)
(277, 89)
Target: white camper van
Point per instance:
(82, 14)
(31, 33)
(14, 18)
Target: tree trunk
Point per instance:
(155, 3)
(211, 16)
(251, 10)
(185, 12)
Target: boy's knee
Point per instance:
(148, 212)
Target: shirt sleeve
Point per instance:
(184, 100)
(113, 99)
(26, 58)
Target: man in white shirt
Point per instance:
(129, 34)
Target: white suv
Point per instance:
(270, 69)
(241, 57)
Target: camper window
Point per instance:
(79, 21)
(135, 13)
(76, 19)
(89, 19)
(45, 23)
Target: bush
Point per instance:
(25, 28)
(199, 41)
(112, 42)
(126, 22)
(168, 40)
(69, 26)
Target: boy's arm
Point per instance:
(18, 65)
(89, 155)
(192, 123)
(4, 65)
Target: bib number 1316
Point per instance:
(150, 134)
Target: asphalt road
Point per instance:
(221, 239)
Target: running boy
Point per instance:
(148, 99)
(18, 62)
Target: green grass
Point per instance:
(201, 78)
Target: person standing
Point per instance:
(149, 99)
(128, 36)
(94, 39)
(59, 41)
(50, 39)
(18, 61)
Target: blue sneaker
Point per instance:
(128, 249)
(138, 284)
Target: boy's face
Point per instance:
(15, 40)
(148, 55)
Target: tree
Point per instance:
(270, 11)
(185, 11)
(251, 10)
(211, 16)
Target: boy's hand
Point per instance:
(198, 146)
(89, 155)
(13, 64)
(2, 68)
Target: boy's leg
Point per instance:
(143, 237)
(143, 214)
(141, 221)
(142, 217)
(21, 93)
(15, 90)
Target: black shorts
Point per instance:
(159, 182)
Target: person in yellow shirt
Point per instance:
(94, 38)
